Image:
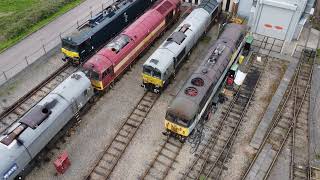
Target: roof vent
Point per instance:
(197, 81)
(212, 59)
(204, 71)
(154, 61)
(76, 76)
(191, 91)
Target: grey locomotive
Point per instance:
(165, 61)
(27, 137)
(193, 102)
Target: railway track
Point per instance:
(314, 173)
(299, 144)
(163, 161)
(25, 103)
(291, 119)
(114, 151)
(210, 162)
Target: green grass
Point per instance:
(19, 18)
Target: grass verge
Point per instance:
(17, 22)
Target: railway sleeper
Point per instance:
(161, 162)
(140, 113)
(105, 165)
(284, 124)
(167, 156)
(133, 122)
(132, 125)
(145, 104)
(119, 146)
(109, 158)
(100, 173)
(114, 152)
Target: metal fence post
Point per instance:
(44, 49)
(102, 7)
(60, 35)
(91, 13)
(26, 58)
(5, 76)
(78, 23)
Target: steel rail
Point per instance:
(113, 152)
(275, 122)
(164, 152)
(20, 104)
(231, 139)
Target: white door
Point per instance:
(274, 21)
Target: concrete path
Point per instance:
(314, 120)
(266, 121)
(12, 61)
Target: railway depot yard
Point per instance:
(263, 129)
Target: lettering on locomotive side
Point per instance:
(10, 171)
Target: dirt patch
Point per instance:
(242, 151)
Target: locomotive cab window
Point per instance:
(118, 43)
(92, 74)
(107, 72)
(152, 71)
(182, 122)
(67, 45)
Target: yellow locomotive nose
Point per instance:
(149, 79)
(70, 54)
(97, 84)
(182, 131)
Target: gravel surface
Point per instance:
(100, 124)
(281, 169)
(96, 129)
(48, 35)
(147, 142)
(28, 79)
(242, 153)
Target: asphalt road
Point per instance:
(49, 35)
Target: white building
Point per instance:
(281, 19)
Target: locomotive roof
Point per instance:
(208, 73)
(35, 139)
(209, 5)
(171, 47)
(82, 34)
(98, 63)
(179, 105)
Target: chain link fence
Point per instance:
(48, 44)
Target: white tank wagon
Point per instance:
(194, 100)
(26, 138)
(165, 61)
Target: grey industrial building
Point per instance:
(281, 19)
